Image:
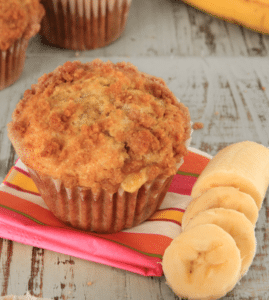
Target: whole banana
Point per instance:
(253, 14)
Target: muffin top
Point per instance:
(100, 124)
(19, 18)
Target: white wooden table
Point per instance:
(220, 71)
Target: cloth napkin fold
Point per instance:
(25, 218)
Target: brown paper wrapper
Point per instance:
(12, 63)
(84, 24)
(101, 212)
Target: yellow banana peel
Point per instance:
(253, 14)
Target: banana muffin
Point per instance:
(102, 142)
(82, 25)
(19, 21)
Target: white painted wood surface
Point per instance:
(220, 71)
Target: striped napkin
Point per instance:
(25, 218)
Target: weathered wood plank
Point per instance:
(230, 95)
(193, 52)
(79, 279)
(205, 35)
(6, 257)
(171, 27)
(20, 269)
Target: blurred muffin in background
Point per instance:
(19, 21)
(84, 24)
(102, 142)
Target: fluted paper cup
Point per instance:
(84, 24)
(12, 63)
(101, 212)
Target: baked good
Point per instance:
(81, 25)
(19, 21)
(102, 142)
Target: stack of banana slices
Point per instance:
(217, 245)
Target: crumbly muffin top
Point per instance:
(19, 18)
(100, 124)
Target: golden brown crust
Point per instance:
(198, 125)
(93, 124)
(19, 19)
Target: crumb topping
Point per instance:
(94, 124)
(198, 125)
(19, 18)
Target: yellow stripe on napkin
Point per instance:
(168, 215)
(22, 181)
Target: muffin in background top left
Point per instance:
(19, 21)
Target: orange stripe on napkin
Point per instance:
(194, 163)
(147, 243)
(150, 244)
(29, 209)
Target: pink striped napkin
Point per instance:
(25, 218)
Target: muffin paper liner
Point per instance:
(100, 212)
(84, 24)
(12, 63)
(25, 218)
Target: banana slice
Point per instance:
(234, 223)
(243, 165)
(225, 197)
(202, 263)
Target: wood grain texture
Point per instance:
(230, 96)
(220, 71)
(173, 28)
